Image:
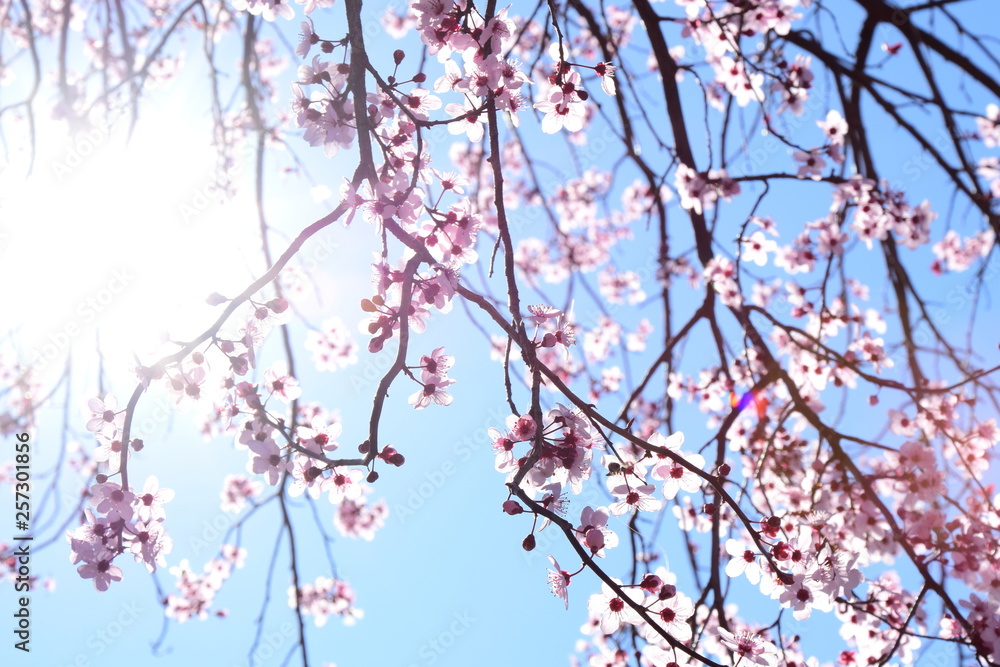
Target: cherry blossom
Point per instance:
(150, 501)
(728, 274)
(677, 477)
(670, 613)
(749, 647)
(324, 598)
(559, 581)
(281, 385)
(432, 390)
(345, 485)
(469, 119)
(236, 491)
(104, 415)
(266, 459)
(110, 499)
(613, 610)
(812, 164)
(332, 347)
(834, 127)
(101, 570)
(269, 10)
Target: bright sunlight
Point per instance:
(100, 231)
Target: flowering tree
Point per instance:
(696, 239)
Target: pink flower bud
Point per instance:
(512, 507)
(651, 583)
(595, 539)
(240, 364)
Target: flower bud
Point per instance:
(651, 583)
(512, 507)
(240, 364)
(595, 539)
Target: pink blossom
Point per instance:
(110, 499)
(433, 390)
(281, 385)
(749, 647)
(104, 415)
(613, 610)
(149, 506)
(269, 10)
(676, 477)
(633, 498)
(834, 127)
(101, 570)
(559, 581)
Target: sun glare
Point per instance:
(119, 239)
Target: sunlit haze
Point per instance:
(100, 233)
